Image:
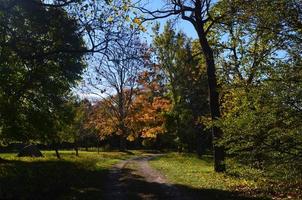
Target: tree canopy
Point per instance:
(37, 70)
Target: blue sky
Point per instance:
(182, 25)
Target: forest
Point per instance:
(139, 99)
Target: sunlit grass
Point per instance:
(187, 169)
(191, 171)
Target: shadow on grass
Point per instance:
(49, 180)
(70, 180)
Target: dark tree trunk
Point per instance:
(57, 153)
(219, 152)
(56, 148)
(122, 116)
(86, 144)
(201, 144)
(76, 148)
(122, 143)
(190, 147)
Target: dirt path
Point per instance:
(136, 179)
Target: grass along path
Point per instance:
(189, 171)
(91, 176)
(136, 179)
(49, 178)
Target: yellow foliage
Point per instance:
(137, 21)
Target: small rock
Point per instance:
(30, 150)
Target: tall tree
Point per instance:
(149, 107)
(199, 14)
(114, 78)
(35, 75)
(260, 59)
(77, 129)
(145, 119)
(185, 75)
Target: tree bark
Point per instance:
(86, 144)
(76, 148)
(57, 153)
(195, 14)
(122, 142)
(56, 148)
(219, 152)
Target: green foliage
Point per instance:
(76, 129)
(185, 78)
(40, 60)
(267, 121)
(260, 79)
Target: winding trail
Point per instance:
(136, 179)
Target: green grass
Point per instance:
(49, 178)
(189, 171)
(84, 177)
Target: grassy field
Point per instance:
(84, 177)
(49, 178)
(188, 171)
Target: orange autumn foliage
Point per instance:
(145, 117)
(148, 119)
(150, 105)
(103, 119)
